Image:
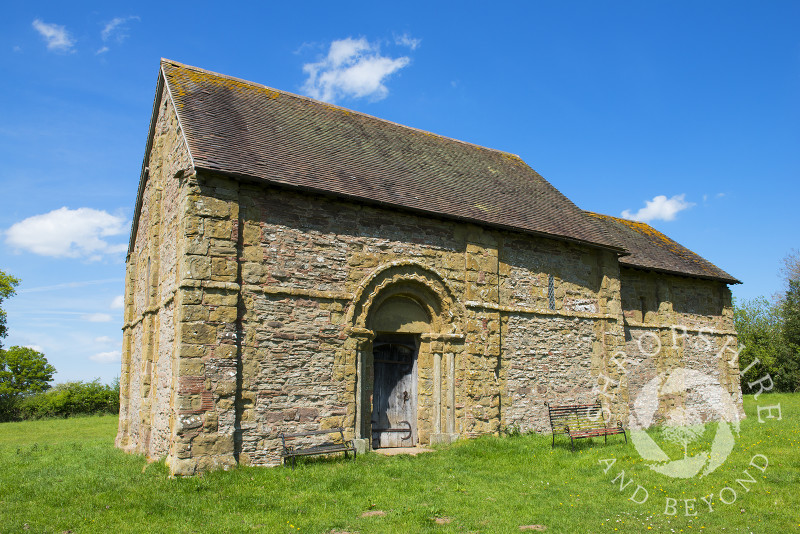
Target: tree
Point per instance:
(770, 331)
(23, 372)
(7, 285)
(758, 325)
(791, 267)
(789, 373)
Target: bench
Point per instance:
(293, 450)
(581, 421)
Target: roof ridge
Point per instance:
(341, 108)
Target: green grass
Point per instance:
(65, 475)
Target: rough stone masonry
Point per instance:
(252, 302)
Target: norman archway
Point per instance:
(413, 301)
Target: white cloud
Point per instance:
(17, 49)
(97, 317)
(106, 357)
(57, 37)
(37, 348)
(407, 40)
(660, 208)
(116, 29)
(118, 303)
(66, 233)
(103, 340)
(70, 285)
(102, 50)
(353, 68)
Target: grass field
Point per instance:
(66, 476)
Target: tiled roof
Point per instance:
(248, 130)
(650, 249)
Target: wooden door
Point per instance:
(394, 398)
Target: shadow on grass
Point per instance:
(327, 459)
(583, 444)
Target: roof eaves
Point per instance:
(728, 280)
(354, 198)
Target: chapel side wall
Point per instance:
(676, 322)
(152, 273)
(557, 342)
(290, 265)
(304, 259)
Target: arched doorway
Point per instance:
(404, 336)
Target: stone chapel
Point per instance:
(294, 265)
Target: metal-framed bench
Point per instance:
(581, 421)
(293, 451)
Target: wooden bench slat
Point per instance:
(317, 450)
(314, 432)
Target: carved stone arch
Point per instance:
(409, 278)
(408, 297)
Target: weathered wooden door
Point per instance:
(394, 398)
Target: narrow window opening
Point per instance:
(643, 304)
(551, 292)
(148, 286)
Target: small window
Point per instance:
(551, 292)
(148, 286)
(643, 304)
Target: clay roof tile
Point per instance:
(251, 131)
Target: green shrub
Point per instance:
(72, 398)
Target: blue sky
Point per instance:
(684, 114)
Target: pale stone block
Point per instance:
(191, 367)
(209, 207)
(194, 312)
(220, 297)
(198, 333)
(223, 314)
(225, 388)
(226, 351)
(252, 234)
(360, 445)
(193, 351)
(197, 267)
(197, 246)
(223, 269)
(218, 229)
(221, 247)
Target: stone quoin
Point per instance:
(296, 266)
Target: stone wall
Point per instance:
(152, 273)
(674, 322)
(550, 360)
(309, 267)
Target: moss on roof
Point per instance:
(249, 130)
(650, 249)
